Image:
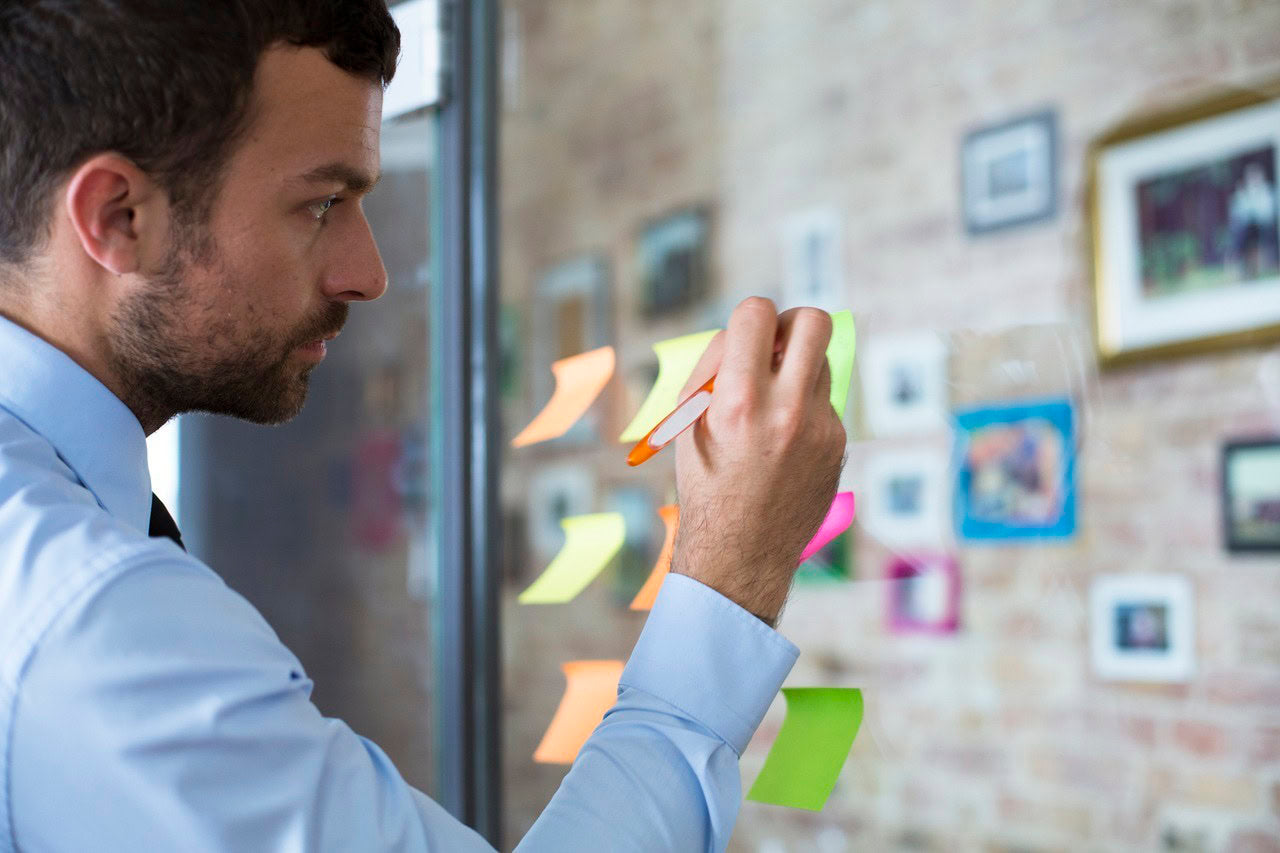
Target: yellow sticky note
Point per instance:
(676, 359)
(805, 761)
(591, 541)
(579, 380)
(844, 340)
(592, 689)
(649, 592)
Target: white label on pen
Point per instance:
(681, 419)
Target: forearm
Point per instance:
(661, 770)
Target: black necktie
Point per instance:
(162, 523)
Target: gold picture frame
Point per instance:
(1119, 262)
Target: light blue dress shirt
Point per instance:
(145, 706)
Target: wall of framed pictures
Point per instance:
(1056, 227)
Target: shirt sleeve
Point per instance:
(161, 712)
(661, 770)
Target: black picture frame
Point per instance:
(673, 261)
(990, 152)
(1231, 521)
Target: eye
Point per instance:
(320, 208)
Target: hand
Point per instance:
(757, 474)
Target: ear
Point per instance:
(113, 206)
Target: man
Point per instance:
(181, 230)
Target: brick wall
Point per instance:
(999, 737)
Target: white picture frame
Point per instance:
(1146, 304)
(904, 499)
(1010, 173)
(813, 260)
(556, 492)
(1142, 628)
(904, 383)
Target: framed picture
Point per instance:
(813, 260)
(1142, 628)
(904, 381)
(572, 312)
(1185, 238)
(1251, 495)
(556, 492)
(924, 594)
(674, 261)
(1015, 471)
(906, 498)
(1010, 173)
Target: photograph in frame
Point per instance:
(1141, 628)
(572, 313)
(1251, 495)
(905, 504)
(674, 263)
(1186, 238)
(1015, 471)
(1009, 173)
(924, 594)
(813, 272)
(904, 383)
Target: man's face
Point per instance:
(228, 321)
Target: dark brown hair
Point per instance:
(166, 83)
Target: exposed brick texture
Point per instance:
(999, 737)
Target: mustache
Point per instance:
(328, 323)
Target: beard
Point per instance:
(172, 355)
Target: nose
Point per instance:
(356, 273)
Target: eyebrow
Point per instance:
(356, 180)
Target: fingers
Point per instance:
(747, 365)
(708, 365)
(806, 333)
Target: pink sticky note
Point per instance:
(838, 519)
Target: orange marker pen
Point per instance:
(685, 415)
(681, 418)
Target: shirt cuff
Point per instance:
(712, 660)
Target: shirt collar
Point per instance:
(91, 429)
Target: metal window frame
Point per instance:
(466, 428)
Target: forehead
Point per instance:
(307, 113)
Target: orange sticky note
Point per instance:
(649, 592)
(592, 690)
(579, 380)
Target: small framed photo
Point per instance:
(1010, 173)
(571, 314)
(1251, 495)
(556, 492)
(674, 260)
(1185, 236)
(813, 272)
(924, 594)
(1015, 471)
(1142, 628)
(904, 381)
(906, 498)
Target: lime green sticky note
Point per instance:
(844, 339)
(677, 357)
(805, 761)
(591, 541)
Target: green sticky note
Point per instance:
(677, 357)
(591, 541)
(840, 352)
(805, 761)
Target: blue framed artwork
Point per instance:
(1015, 471)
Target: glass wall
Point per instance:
(1056, 645)
(323, 523)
